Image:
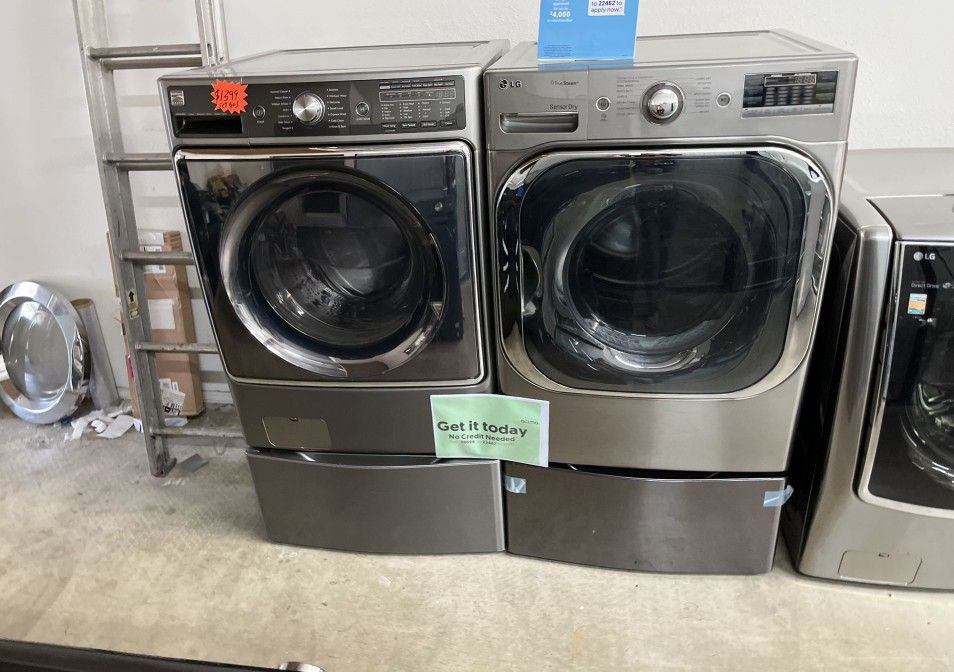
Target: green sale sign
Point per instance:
(491, 426)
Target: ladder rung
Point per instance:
(186, 49)
(200, 431)
(147, 56)
(139, 161)
(172, 258)
(195, 348)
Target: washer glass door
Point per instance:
(911, 458)
(658, 272)
(325, 265)
(328, 267)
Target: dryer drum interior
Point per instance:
(660, 274)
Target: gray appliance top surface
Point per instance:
(450, 55)
(912, 188)
(924, 171)
(919, 217)
(763, 45)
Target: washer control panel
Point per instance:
(323, 108)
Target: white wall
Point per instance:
(52, 221)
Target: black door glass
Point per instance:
(660, 274)
(914, 458)
(371, 265)
(338, 269)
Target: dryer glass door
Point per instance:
(911, 459)
(662, 272)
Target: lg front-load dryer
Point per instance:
(661, 229)
(334, 201)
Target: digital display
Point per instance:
(417, 95)
(790, 80)
(783, 93)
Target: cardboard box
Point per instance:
(171, 319)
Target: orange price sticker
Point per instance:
(229, 96)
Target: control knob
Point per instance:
(663, 102)
(308, 108)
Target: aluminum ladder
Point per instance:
(99, 63)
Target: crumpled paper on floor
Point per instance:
(113, 423)
(109, 424)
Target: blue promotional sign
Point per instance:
(587, 29)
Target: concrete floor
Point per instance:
(96, 553)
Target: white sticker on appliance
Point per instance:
(917, 303)
(607, 8)
(161, 314)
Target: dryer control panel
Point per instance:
(778, 94)
(320, 108)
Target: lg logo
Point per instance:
(920, 256)
(509, 84)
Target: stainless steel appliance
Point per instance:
(661, 230)
(44, 354)
(873, 466)
(334, 201)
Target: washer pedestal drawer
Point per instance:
(379, 503)
(647, 521)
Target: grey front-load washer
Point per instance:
(334, 203)
(873, 465)
(661, 230)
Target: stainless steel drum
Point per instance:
(44, 355)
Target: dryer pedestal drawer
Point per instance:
(626, 520)
(379, 503)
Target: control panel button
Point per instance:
(723, 99)
(308, 108)
(362, 109)
(448, 123)
(603, 103)
(662, 103)
(408, 124)
(258, 112)
(428, 124)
